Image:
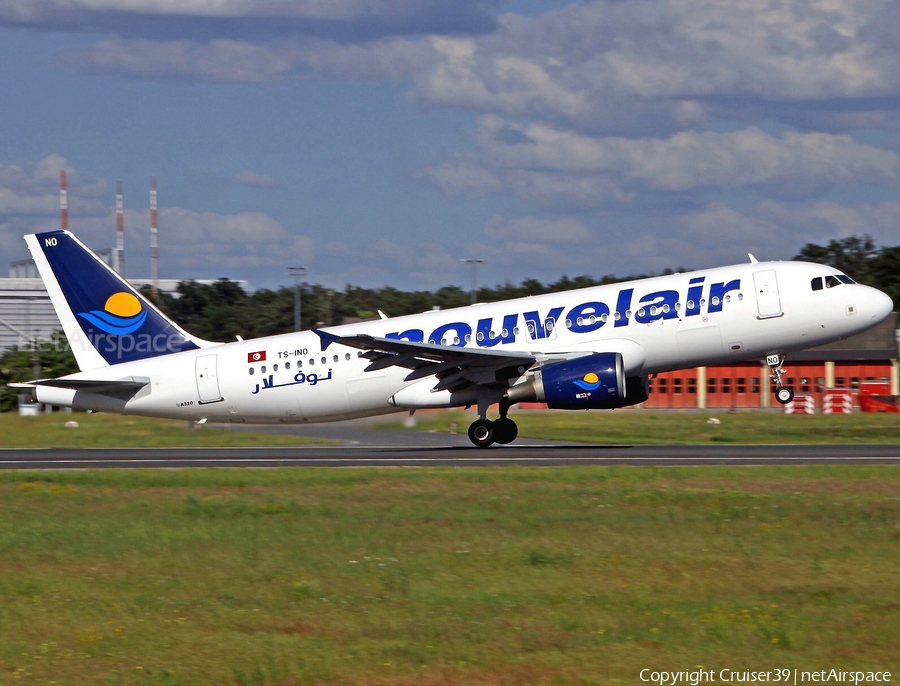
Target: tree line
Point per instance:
(223, 310)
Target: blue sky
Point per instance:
(378, 143)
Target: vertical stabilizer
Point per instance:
(105, 320)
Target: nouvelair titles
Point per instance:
(585, 317)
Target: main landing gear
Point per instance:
(783, 394)
(483, 432)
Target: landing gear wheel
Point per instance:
(505, 430)
(481, 432)
(784, 395)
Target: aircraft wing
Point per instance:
(455, 367)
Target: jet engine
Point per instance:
(594, 381)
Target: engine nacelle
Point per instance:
(591, 382)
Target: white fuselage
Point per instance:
(658, 324)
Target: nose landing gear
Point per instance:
(783, 394)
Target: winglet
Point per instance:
(753, 260)
(326, 338)
(382, 315)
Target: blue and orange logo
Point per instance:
(590, 382)
(122, 314)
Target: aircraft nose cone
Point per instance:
(880, 304)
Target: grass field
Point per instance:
(440, 576)
(644, 426)
(114, 431)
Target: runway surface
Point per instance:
(526, 453)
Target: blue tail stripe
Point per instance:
(110, 323)
(118, 322)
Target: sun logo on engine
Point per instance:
(590, 382)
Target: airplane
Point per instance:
(591, 348)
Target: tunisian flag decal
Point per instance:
(256, 357)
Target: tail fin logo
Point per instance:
(122, 314)
(591, 382)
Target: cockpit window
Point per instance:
(831, 281)
(845, 279)
(817, 283)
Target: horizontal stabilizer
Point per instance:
(133, 384)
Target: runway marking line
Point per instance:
(383, 461)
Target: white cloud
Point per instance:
(348, 20)
(242, 61)
(567, 61)
(219, 60)
(717, 234)
(533, 230)
(462, 179)
(255, 180)
(209, 229)
(608, 64)
(821, 222)
(581, 189)
(509, 83)
(34, 188)
(689, 159)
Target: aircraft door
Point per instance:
(208, 379)
(768, 301)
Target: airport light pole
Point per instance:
(297, 273)
(474, 290)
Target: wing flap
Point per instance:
(455, 367)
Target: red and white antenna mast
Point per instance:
(120, 230)
(154, 238)
(63, 201)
